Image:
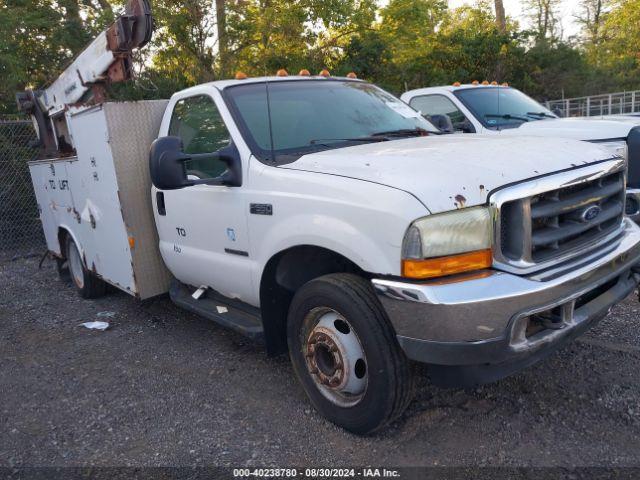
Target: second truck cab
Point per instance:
(503, 110)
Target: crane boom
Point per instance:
(107, 59)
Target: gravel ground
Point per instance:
(162, 387)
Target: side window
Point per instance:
(197, 121)
(431, 105)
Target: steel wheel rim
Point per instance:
(334, 357)
(75, 265)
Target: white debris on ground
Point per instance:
(95, 325)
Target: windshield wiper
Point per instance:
(402, 132)
(540, 114)
(369, 138)
(507, 116)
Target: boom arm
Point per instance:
(107, 59)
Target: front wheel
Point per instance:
(345, 353)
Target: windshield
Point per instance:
(502, 107)
(314, 115)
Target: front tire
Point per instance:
(87, 284)
(345, 353)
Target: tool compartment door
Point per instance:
(95, 196)
(53, 195)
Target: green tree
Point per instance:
(617, 51)
(39, 37)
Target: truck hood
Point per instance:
(578, 128)
(452, 171)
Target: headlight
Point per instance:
(448, 243)
(618, 147)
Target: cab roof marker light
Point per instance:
(324, 73)
(304, 73)
(485, 82)
(456, 84)
(494, 83)
(475, 83)
(282, 73)
(505, 84)
(241, 76)
(351, 75)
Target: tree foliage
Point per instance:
(397, 43)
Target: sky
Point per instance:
(515, 10)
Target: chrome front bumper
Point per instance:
(485, 320)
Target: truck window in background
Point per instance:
(197, 121)
(503, 108)
(439, 105)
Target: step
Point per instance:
(240, 317)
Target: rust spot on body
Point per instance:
(460, 201)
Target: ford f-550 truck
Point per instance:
(329, 220)
(500, 109)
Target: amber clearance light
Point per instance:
(441, 266)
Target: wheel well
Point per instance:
(283, 275)
(62, 241)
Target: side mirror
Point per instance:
(167, 165)
(442, 121)
(464, 126)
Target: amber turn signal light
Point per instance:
(441, 266)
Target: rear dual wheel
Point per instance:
(345, 353)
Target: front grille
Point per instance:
(555, 223)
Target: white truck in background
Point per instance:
(328, 219)
(499, 109)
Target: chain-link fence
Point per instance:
(20, 229)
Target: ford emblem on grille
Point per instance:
(590, 213)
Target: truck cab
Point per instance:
(361, 238)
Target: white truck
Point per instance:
(328, 219)
(499, 109)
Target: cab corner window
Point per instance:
(443, 113)
(197, 121)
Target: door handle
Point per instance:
(160, 203)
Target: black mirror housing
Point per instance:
(442, 121)
(167, 168)
(166, 164)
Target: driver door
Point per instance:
(203, 228)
